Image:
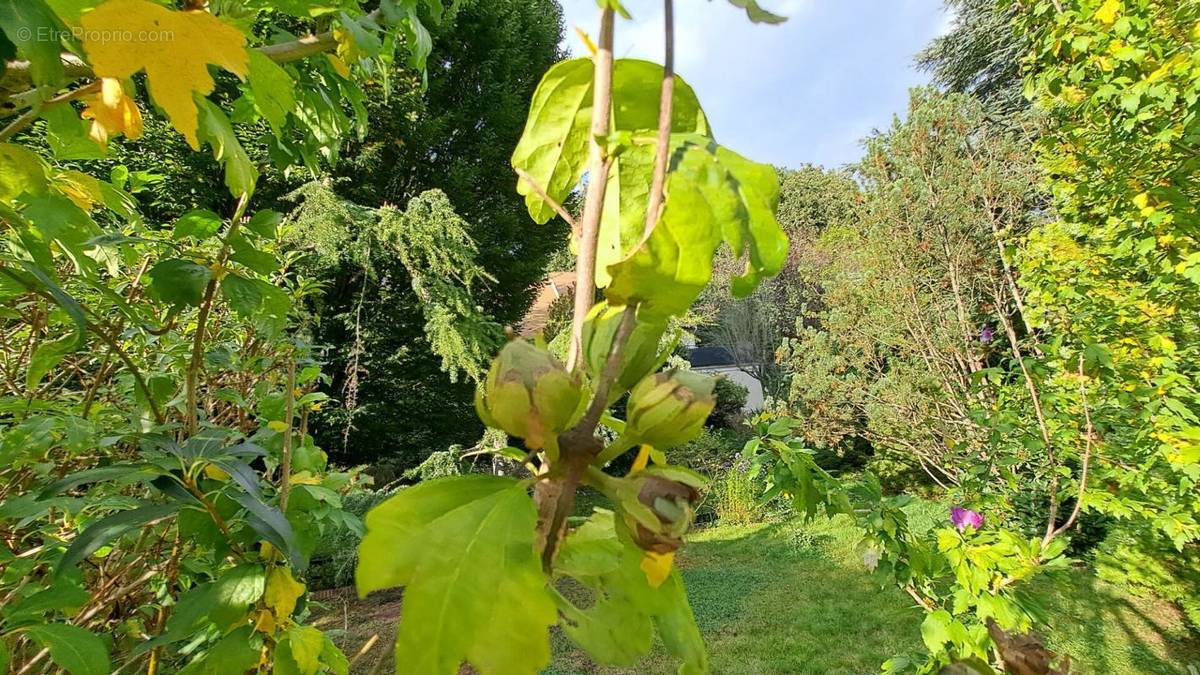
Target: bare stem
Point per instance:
(598, 165)
(285, 462)
(665, 104)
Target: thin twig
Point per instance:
(1089, 431)
(541, 192)
(33, 113)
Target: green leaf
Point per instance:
(362, 32)
(554, 147)
(62, 594)
(677, 627)
(713, 195)
(756, 13)
(38, 33)
(75, 650)
(264, 223)
(46, 357)
(179, 282)
(21, 171)
(199, 224)
(463, 548)
(129, 472)
(638, 85)
(271, 525)
(64, 300)
(553, 150)
(67, 134)
(614, 5)
(108, 528)
(245, 253)
(273, 90)
(616, 629)
(300, 650)
(5, 657)
(234, 593)
(215, 129)
(237, 652)
(242, 294)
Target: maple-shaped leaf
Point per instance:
(474, 589)
(175, 48)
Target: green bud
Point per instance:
(666, 409)
(529, 395)
(639, 356)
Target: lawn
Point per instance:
(793, 598)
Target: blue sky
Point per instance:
(802, 92)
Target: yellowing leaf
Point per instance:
(83, 190)
(282, 592)
(216, 473)
(173, 47)
(657, 567)
(277, 425)
(304, 478)
(112, 113)
(339, 65)
(1108, 11)
(264, 622)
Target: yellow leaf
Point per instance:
(277, 425)
(282, 592)
(657, 567)
(339, 65)
(216, 473)
(80, 188)
(304, 478)
(122, 37)
(264, 622)
(112, 113)
(587, 40)
(1107, 13)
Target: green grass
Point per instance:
(788, 598)
(792, 598)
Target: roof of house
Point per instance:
(556, 285)
(702, 357)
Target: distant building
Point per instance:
(720, 361)
(556, 286)
(712, 360)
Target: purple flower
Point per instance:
(986, 335)
(963, 517)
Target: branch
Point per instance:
(665, 103)
(190, 419)
(1089, 431)
(598, 165)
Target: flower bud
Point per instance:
(662, 507)
(666, 409)
(529, 395)
(639, 355)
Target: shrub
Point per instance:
(336, 555)
(731, 400)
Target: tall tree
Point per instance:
(980, 55)
(456, 137)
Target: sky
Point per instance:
(805, 91)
